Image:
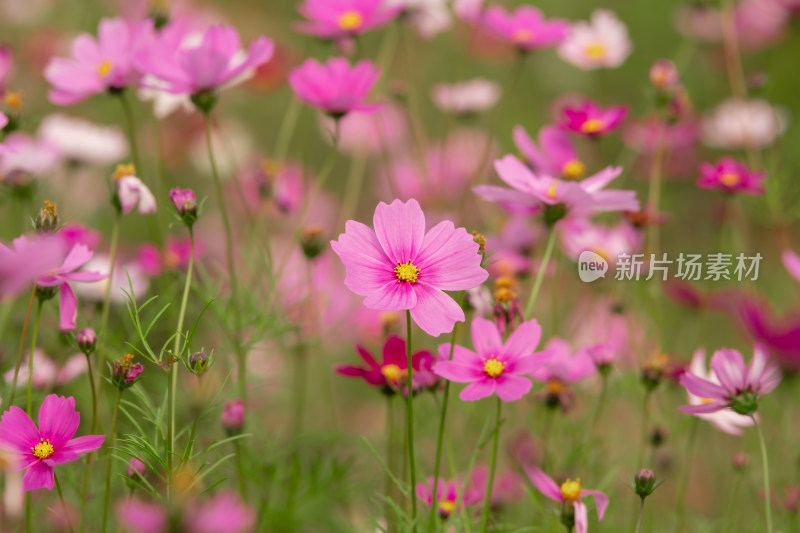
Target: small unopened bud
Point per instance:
(86, 340)
(185, 203)
(124, 372)
(653, 371)
(47, 218)
(658, 436)
(603, 356)
(664, 75)
(481, 240)
(233, 415)
(199, 362)
(135, 467)
(740, 461)
(312, 241)
(205, 100)
(644, 483)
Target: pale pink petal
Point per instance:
(791, 261)
(400, 228)
(581, 517)
(458, 372)
(435, 312)
(67, 307)
(703, 408)
(512, 388)
(729, 367)
(449, 260)
(524, 340)
(543, 483)
(367, 266)
(486, 338)
(600, 500)
(478, 389)
(702, 388)
(393, 296)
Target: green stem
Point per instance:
(440, 434)
(643, 431)
(85, 486)
(240, 470)
(600, 403)
(63, 504)
(21, 346)
(30, 356)
(537, 284)
(107, 297)
(111, 439)
(389, 463)
(286, 130)
(28, 514)
(487, 500)
(641, 512)
(412, 465)
(131, 127)
(240, 355)
(686, 469)
(765, 463)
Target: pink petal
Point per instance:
(458, 372)
(581, 517)
(58, 420)
(449, 259)
(486, 338)
(367, 266)
(524, 340)
(76, 258)
(512, 388)
(600, 500)
(479, 389)
(17, 430)
(729, 367)
(400, 228)
(702, 388)
(703, 408)
(791, 261)
(543, 483)
(67, 307)
(38, 476)
(393, 296)
(435, 312)
(84, 444)
(394, 352)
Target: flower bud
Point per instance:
(644, 483)
(185, 203)
(205, 100)
(47, 218)
(312, 241)
(233, 416)
(136, 467)
(124, 372)
(481, 240)
(603, 356)
(658, 436)
(652, 371)
(664, 75)
(86, 340)
(199, 362)
(740, 461)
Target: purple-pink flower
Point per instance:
(494, 367)
(563, 365)
(731, 176)
(446, 495)
(399, 266)
(39, 449)
(98, 65)
(590, 120)
(739, 387)
(27, 259)
(525, 28)
(336, 19)
(335, 87)
(569, 493)
(555, 155)
(224, 512)
(392, 372)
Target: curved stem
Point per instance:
(537, 284)
(487, 499)
(30, 356)
(765, 464)
(63, 504)
(112, 438)
(412, 465)
(240, 470)
(21, 346)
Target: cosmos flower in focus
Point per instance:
(335, 87)
(391, 374)
(602, 42)
(731, 176)
(570, 494)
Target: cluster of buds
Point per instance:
(481, 242)
(312, 241)
(671, 97)
(644, 484)
(232, 417)
(185, 203)
(654, 370)
(124, 372)
(86, 339)
(47, 219)
(200, 362)
(507, 311)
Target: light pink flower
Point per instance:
(569, 493)
(731, 176)
(555, 155)
(563, 365)
(466, 97)
(224, 512)
(366, 132)
(336, 19)
(601, 43)
(98, 65)
(427, 17)
(132, 192)
(191, 67)
(23, 156)
(590, 120)
(725, 420)
(494, 367)
(742, 124)
(335, 87)
(27, 259)
(139, 516)
(525, 28)
(39, 450)
(6, 66)
(399, 266)
(46, 372)
(609, 241)
(79, 141)
(791, 262)
(738, 387)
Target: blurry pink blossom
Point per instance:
(609, 241)
(466, 97)
(742, 124)
(525, 27)
(336, 19)
(367, 133)
(46, 372)
(81, 141)
(601, 43)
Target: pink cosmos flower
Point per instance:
(739, 386)
(132, 192)
(399, 266)
(39, 450)
(46, 372)
(76, 140)
(139, 516)
(368, 133)
(23, 156)
(780, 334)
(225, 512)
(562, 197)
(392, 372)
(64, 275)
(525, 28)
(186, 67)
(427, 17)
(466, 97)
(569, 493)
(336, 19)
(179, 197)
(562, 365)
(724, 420)
(591, 120)
(494, 367)
(731, 176)
(741, 124)
(96, 66)
(75, 233)
(601, 43)
(608, 241)
(335, 87)
(6, 66)
(508, 487)
(555, 155)
(27, 259)
(446, 495)
(791, 262)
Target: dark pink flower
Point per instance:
(591, 120)
(39, 450)
(569, 493)
(335, 87)
(223, 513)
(392, 372)
(336, 19)
(731, 176)
(563, 365)
(446, 495)
(233, 414)
(525, 28)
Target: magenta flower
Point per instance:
(739, 386)
(6, 66)
(179, 197)
(39, 450)
(217, 60)
(569, 494)
(446, 495)
(525, 28)
(563, 365)
(591, 120)
(64, 275)
(335, 19)
(494, 367)
(336, 87)
(731, 176)
(392, 372)
(225, 512)
(555, 155)
(27, 259)
(98, 65)
(139, 516)
(399, 266)
(233, 413)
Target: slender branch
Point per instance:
(487, 499)
(537, 284)
(412, 465)
(111, 439)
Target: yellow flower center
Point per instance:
(596, 51)
(13, 100)
(706, 400)
(730, 179)
(573, 169)
(43, 450)
(406, 272)
(492, 367)
(124, 170)
(592, 125)
(351, 20)
(391, 372)
(447, 506)
(571, 490)
(551, 192)
(104, 68)
(522, 36)
(555, 387)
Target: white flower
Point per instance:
(164, 103)
(466, 97)
(80, 140)
(428, 17)
(603, 42)
(96, 291)
(737, 124)
(132, 192)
